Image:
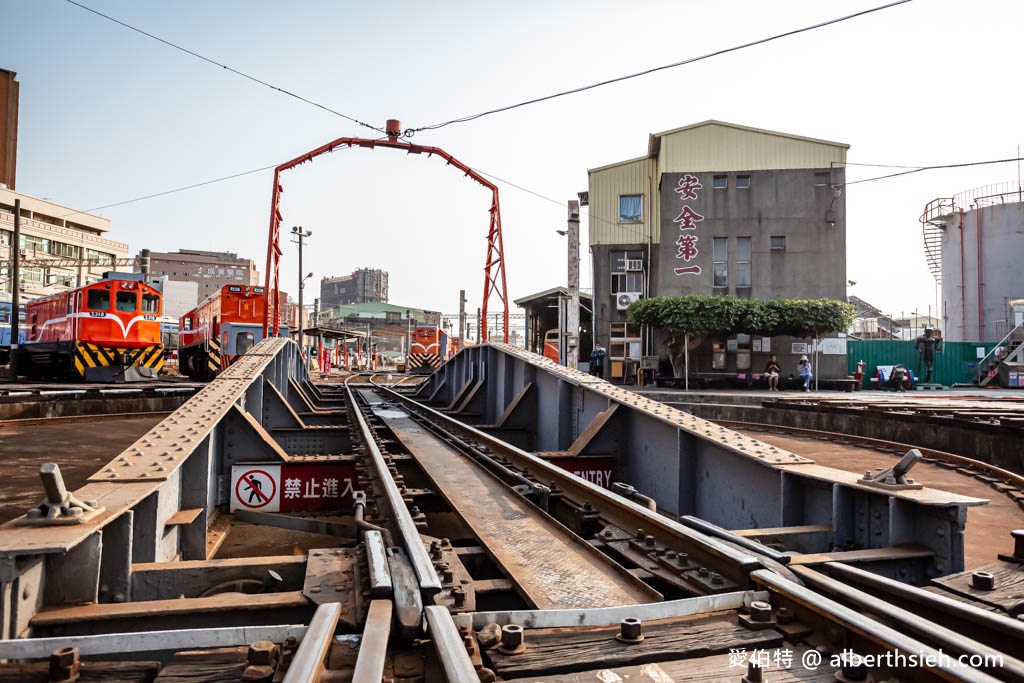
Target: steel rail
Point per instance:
(909, 623)
(878, 444)
(451, 651)
(866, 627)
(148, 641)
(995, 625)
(414, 548)
(373, 649)
(617, 510)
(608, 616)
(309, 658)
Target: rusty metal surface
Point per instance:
(553, 569)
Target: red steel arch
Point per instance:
(494, 265)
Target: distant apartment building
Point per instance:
(8, 128)
(211, 270)
(61, 248)
(363, 286)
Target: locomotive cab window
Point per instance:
(127, 302)
(98, 300)
(150, 303)
(243, 342)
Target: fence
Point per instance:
(957, 363)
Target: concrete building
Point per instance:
(179, 297)
(389, 324)
(211, 270)
(365, 285)
(61, 248)
(973, 243)
(8, 128)
(718, 209)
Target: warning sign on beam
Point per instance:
(597, 470)
(293, 487)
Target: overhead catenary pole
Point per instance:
(15, 283)
(462, 318)
(572, 322)
(301, 235)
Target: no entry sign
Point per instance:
(293, 487)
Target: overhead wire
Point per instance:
(226, 67)
(583, 88)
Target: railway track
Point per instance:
(1001, 480)
(373, 536)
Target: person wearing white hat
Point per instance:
(803, 368)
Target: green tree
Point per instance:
(701, 317)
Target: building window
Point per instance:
(742, 261)
(721, 256)
(626, 269)
(820, 179)
(624, 341)
(35, 243)
(32, 274)
(631, 208)
(720, 182)
(742, 182)
(778, 243)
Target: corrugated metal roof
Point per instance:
(655, 140)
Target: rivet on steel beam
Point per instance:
(630, 630)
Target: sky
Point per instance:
(109, 115)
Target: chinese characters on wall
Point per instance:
(687, 189)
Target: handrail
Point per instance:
(998, 345)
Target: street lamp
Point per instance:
(301, 234)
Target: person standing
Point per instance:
(772, 370)
(803, 368)
(597, 361)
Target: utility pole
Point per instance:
(316, 320)
(480, 324)
(15, 287)
(301, 235)
(408, 337)
(462, 317)
(572, 323)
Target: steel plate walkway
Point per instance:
(552, 569)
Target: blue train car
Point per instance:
(5, 330)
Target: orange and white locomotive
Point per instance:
(108, 331)
(429, 349)
(218, 331)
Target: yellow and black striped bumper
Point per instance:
(213, 357)
(92, 356)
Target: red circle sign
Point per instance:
(255, 482)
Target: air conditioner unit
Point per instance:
(624, 299)
(634, 264)
(24, 252)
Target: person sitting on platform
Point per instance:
(772, 370)
(803, 369)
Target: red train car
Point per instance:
(429, 349)
(104, 332)
(218, 331)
